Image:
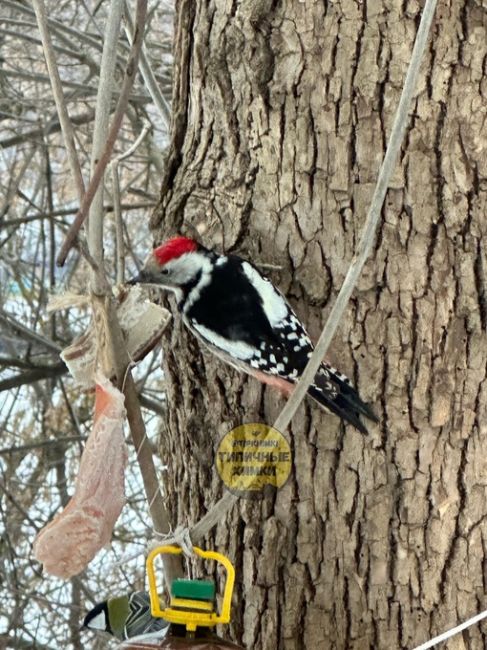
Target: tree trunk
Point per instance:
(282, 111)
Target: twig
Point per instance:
(14, 183)
(128, 81)
(400, 122)
(152, 405)
(37, 444)
(21, 643)
(56, 26)
(119, 247)
(21, 364)
(18, 505)
(31, 376)
(43, 78)
(82, 247)
(102, 112)
(24, 332)
(69, 407)
(159, 514)
(79, 56)
(126, 154)
(147, 74)
(57, 91)
(52, 127)
(61, 212)
(91, 18)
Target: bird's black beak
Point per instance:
(142, 277)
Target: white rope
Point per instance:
(154, 496)
(449, 633)
(180, 537)
(129, 367)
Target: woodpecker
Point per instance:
(126, 617)
(234, 310)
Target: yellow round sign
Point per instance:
(253, 456)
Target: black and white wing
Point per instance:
(140, 620)
(250, 324)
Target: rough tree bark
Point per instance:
(281, 115)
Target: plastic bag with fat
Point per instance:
(72, 539)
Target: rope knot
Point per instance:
(179, 537)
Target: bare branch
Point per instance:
(103, 101)
(147, 73)
(38, 444)
(20, 643)
(53, 127)
(57, 90)
(61, 212)
(42, 78)
(130, 73)
(44, 423)
(152, 405)
(80, 56)
(56, 25)
(157, 507)
(23, 331)
(119, 247)
(31, 376)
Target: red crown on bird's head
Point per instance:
(173, 248)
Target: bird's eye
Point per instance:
(165, 271)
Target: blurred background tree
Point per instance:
(44, 418)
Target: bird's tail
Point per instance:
(335, 392)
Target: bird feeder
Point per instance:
(193, 602)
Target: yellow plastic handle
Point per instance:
(224, 616)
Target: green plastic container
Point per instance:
(193, 589)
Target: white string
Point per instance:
(180, 537)
(129, 367)
(154, 496)
(137, 452)
(124, 559)
(449, 633)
